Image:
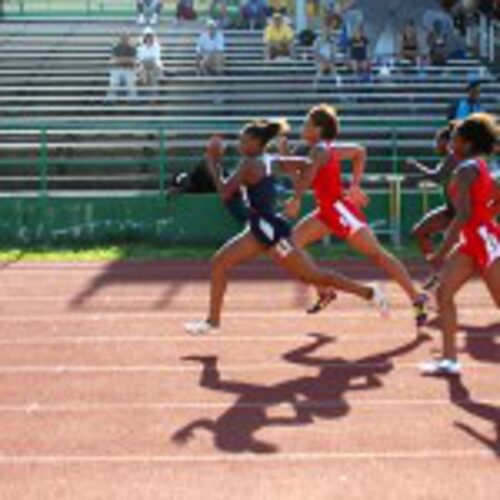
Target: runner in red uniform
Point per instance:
(340, 212)
(472, 243)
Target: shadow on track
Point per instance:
(322, 396)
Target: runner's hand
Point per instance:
(358, 196)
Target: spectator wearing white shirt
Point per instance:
(149, 58)
(210, 51)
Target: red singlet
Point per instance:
(480, 236)
(334, 209)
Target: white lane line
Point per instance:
(255, 367)
(36, 407)
(344, 314)
(340, 336)
(42, 341)
(186, 266)
(441, 454)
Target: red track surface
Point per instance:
(99, 401)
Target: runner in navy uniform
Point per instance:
(268, 232)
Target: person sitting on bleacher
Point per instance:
(149, 58)
(409, 42)
(210, 50)
(186, 11)
(325, 52)
(278, 38)
(254, 14)
(360, 62)
(219, 12)
(146, 8)
(123, 62)
(437, 41)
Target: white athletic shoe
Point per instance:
(438, 367)
(154, 19)
(199, 327)
(141, 20)
(379, 300)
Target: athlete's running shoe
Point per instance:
(420, 307)
(199, 327)
(379, 300)
(441, 367)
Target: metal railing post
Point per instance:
(163, 162)
(43, 165)
(394, 146)
(43, 185)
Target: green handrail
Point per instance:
(163, 161)
(43, 165)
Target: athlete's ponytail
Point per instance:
(482, 131)
(266, 130)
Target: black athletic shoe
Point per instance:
(322, 301)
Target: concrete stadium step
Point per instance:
(414, 101)
(397, 109)
(324, 90)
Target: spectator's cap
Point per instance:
(473, 83)
(148, 32)
(211, 23)
(277, 15)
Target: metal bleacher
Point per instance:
(53, 107)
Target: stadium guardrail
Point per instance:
(389, 223)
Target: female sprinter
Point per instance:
(268, 232)
(339, 213)
(437, 220)
(473, 227)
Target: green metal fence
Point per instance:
(44, 164)
(48, 214)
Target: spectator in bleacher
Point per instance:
(186, 11)
(358, 48)
(254, 14)
(313, 12)
(149, 59)
(278, 38)
(149, 9)
(409, 42)
(123, 66)
(490, 8)
(219, 12)
(210, 50)
(437, 41)
(325, 52)
(466, 106)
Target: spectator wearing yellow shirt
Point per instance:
(278, 38)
